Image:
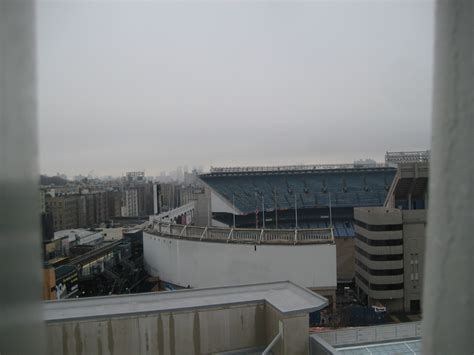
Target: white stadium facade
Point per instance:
(190, 256)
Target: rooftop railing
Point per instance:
(245, 235)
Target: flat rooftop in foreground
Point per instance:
(287, 297)
(399, 338)
(400, 347)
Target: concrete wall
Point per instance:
(206, 264)
(219, 204)
(378, 215)
(184, 332)
(295, 340)
(345, 258)
(202, 208)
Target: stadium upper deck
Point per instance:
(347, 185)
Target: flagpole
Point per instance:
(276, 208)
(296, 215)
(233, 210)
(256, 210)
(330, 211)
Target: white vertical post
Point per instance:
(448, 293)
(263, 210)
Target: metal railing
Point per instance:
(245, 235)
(178, 211)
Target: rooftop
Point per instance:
(401, 338)
(73, 233)
(399, 347)
(287, 297)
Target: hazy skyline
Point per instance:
(126, 86)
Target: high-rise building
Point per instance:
(135, 176)
(130, 202)
(96, 208)
(156, 199)
(42, 201)
(64, 210)
(114, 203)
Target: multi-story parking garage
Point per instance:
(390, 242)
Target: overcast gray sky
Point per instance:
(153, 85)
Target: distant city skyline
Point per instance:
(167, 84)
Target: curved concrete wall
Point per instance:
(207, 264)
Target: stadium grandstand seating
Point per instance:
(346, 188)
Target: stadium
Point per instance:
(299, 197)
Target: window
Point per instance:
(379, 243)
(379, 287)
(383, 257)
(379, 228)
(374, 272)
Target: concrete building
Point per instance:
(78, 211)
(66, 211)
(97, 208)
(390, 243)
(156, 199)
(167, 192)
(130, 202)
(42, 201)
(135, 176)
(144, 198)
(246, 319)
(114, 203)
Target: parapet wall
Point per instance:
(181, 332)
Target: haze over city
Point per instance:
(152, 86)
